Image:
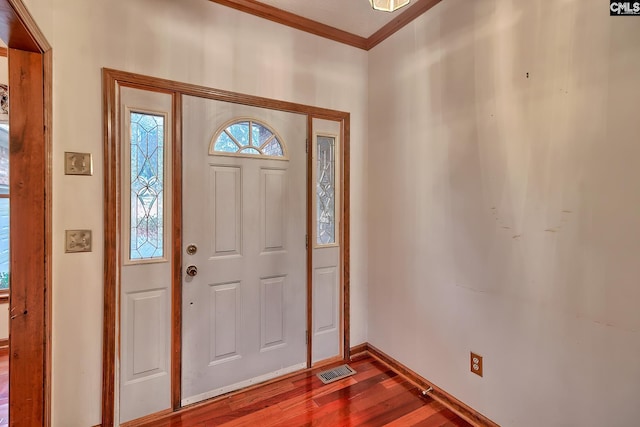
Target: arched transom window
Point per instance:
(247, 137)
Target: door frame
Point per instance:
(112, 81)
(30, 79)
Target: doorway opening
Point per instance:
(195, 128)
(28, 276)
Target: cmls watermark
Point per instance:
(624, 8)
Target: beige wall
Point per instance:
(504, 209)
(501, 214)
(192, 41)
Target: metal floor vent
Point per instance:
(336, 374)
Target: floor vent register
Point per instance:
(336, 374)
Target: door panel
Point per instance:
(145, 303)
(327, 335)
(226, 205)
(244, 313)
(225, 322)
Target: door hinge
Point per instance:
(307, 145)
(306, 241)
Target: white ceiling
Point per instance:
(354, 16)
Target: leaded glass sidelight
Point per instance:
(326, 190)
(244, 137)
(147, 186)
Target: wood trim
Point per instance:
(295, 21)
(30, 77)
(411, 13)
(310, 243)
(39, 43)
(112, 79)
(345, 247)
(111, 244)
(4, 51)
(154, 83)
(29, 327)
(176, 282)
(298, 22)
(13, 31)
(465, 411)
(148, 419)
(360, 348)
(48, 203)
(4, 343)
(4, 296)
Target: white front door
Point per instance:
(244, 311)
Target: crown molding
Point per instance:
(411, 13)
(295, 21)
(292, 20)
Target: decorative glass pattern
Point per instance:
(147, 186)
(4, 158)
(248, 137)
(4, 243)
(326, 190)
(4, 206)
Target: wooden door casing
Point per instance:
(30, 69)
(112, 80)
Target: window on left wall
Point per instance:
(4, 208)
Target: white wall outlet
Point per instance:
(77, 241)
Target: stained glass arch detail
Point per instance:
(246, 137)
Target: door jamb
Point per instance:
(30, 77)
(112, 80)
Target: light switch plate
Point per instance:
(78, 163)
(77, 241)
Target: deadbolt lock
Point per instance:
(192, 249)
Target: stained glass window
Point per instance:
(147, 186)
(326, 190)
(247, 137)
(4, 207)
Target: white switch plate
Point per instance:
(77, 241)
(78, 163)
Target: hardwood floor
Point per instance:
(374, 396)
(4, 387)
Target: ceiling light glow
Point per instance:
(388, 5)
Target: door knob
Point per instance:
(192, 270)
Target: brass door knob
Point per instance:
(192, 270)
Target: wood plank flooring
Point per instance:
(375, 396)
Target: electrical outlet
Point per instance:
(476, 364)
